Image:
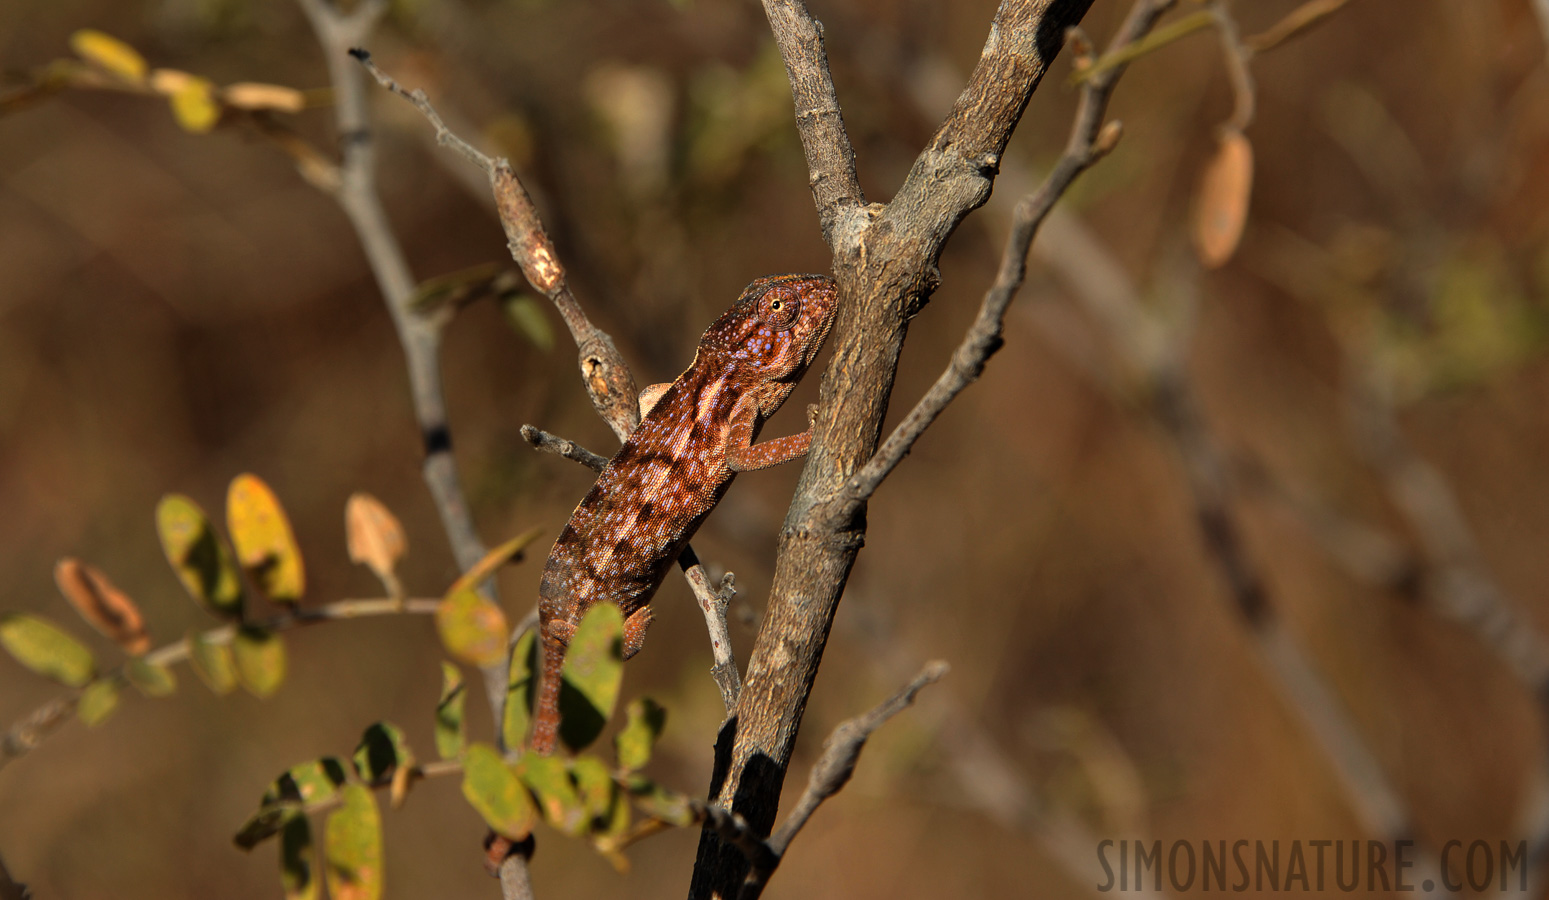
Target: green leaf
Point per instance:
(296, 875)
(46, 649)
(197, 556)
(381, 751)
(312, 782)
(660, 803)
(109, 53)
(549, 779)
(521, 684)
(260, 657)
(262, 536)
(526, 315)
(97, 701)
(152, 680)
(472, 629)
(643, 723)
(594, 785)
(510, 551)
(450, 731)
(212, 662)
(494, 790)
(353, 846)
(594, 669)
(266, 823)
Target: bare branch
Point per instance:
(559, 446)
(713, 601)
(819, 120)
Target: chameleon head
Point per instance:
(777, 326)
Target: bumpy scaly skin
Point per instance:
(697, 434)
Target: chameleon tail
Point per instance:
(545, 726)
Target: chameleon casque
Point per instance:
(696, 435)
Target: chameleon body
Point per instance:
(696, 435)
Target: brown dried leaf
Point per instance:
(374, 536)
(1221, 208)
(254, 95)
(170, 81)
(108, 609)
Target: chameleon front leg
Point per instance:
(650, 395)
(742, 455)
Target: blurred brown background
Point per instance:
(176, 309)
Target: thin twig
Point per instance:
(1313, 12)
(713, 601)
(559, 446)
(832, 771)
(1236, 66)
(1124, 54)
(30, 731)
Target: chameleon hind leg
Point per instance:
(634, 630)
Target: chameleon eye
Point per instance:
(778, 311)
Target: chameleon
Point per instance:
(696, 434)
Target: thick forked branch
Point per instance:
(885, 273)
(832, 772)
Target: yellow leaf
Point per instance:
(109, 53)
(261, 535)
(1221, 208)
(253, 95)
(195, 106)
(472, 628)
